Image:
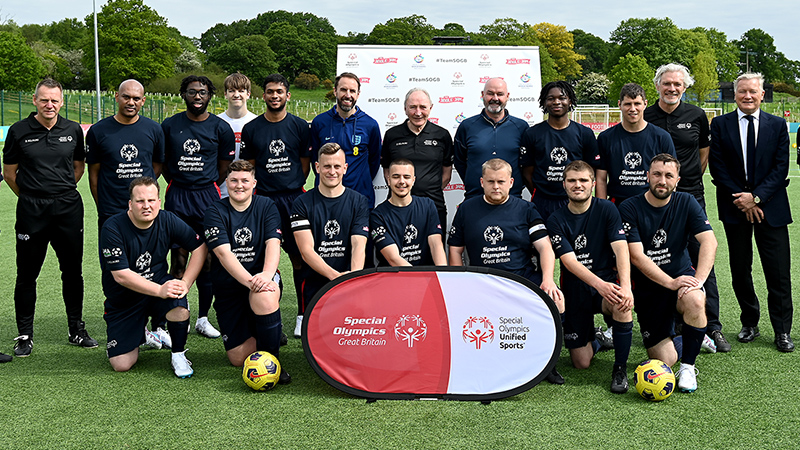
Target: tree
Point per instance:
(559, 44)
(657, 40)
(631, 69)
(299, 50)
(593, 89)
(411, 30)
(725, 52)
(705, 75)
(594, 50)
(69, 34)
(505, 31)
(20, 68)
(757, 49)
(250, 55)
(453, 29)
(134, 42)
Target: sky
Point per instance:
(192, 18)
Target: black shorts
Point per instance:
(581, 303)
(312, 283)
(191, 204)
(64, 212)
(125, 324)
(284, 201)
(655, 308)
(235, 317)
(547, 205)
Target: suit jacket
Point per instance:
(726, 164)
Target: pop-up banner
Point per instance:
(457, 333)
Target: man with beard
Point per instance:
(330, 224)
(237, 92)
(625, 150)
(243, 232)
(551, 145)
(357, 134)
(276, 143)
(588, 239)
(427, 145)
(199, 148)
(687, 125)
(405, 228)
(494, 133)
(658, 225)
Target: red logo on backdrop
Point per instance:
(478, 331)
(383, 60)
(364, 80)
(517, 61)
(528, 115)
(448, 99)
(352, 56)
(787, 113)
(457, 75)
(392, 116)
(434, 120)
(484, 79)
(410, 329)
(485, 57)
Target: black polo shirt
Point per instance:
(430, 150)
(45, 157)
(688, 127)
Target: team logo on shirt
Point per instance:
(410, 233)
(626, 227)
(129, 152)
(143, 261)
(277, 147)
(660, 238)
(555, 239)
(213, 231)
(580, 242)
(109, 252)
(633, 160)
(332, 228)
(410, 329)
(478, 331)
(380, 231)
(452, 230)
(191, 146)
(243, 236)
(431, 142)
(558, 155)
(493, 234)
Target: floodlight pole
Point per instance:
(96, 60)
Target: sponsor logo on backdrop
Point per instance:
(458, 80)
(525, 81)
(433, 120)
(364, 80)
(383, 60)
(525, 78)
(352, 61)
(484, 61)
(391, 78)
(528, 116)
(484, 79)
(449, 99)
(518, 61)
(410, 329)
(419, 58)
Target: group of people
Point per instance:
(611, 209)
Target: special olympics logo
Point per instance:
(478, 331)
(243, 236)
(391, 78)
(528, 115)
(457, 75)
(352, 56)
(143, 261)
(558, 155)
(484, 57)
(660, 238)
(392, 116)
(633, 160)
(129, 152)
(191, 146)
(277, 147)
(411, 329)
(580, 242)
(493, 234)
(410, 233)
(332, 228)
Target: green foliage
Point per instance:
(453, 29)
(783, 87)
(759, 52)
(172, 84)
(330, 96)
(250, 55)
(593, 89)
(327, 83)
(657, 40)
(20, 68)
(725, 52)
(306, 81)
(705, 75)
(32, 32)
(55, 66)
(69, 34)
(411, 30)
(505, 31)
(631, 69)
(134, 42)
(559, 44)
(594, 50)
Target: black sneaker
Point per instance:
(619, 380)
(722, 344)
(284, 339)
(23, 346)
(554, 377)
(81, 337)
(284, 377)
(606, 342)
(5, 358)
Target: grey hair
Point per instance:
(412, 90)
(688, 81)
(749, 76)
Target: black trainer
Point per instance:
(284, 377)
(719, 339)
(5, 358)
(284, 339)
(81, 337)
(606, 342)
(619, 380)
(554, 377)
(23, 346)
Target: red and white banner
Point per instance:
(446, 332)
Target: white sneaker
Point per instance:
(687, 378)
(166, 340)
(181, 365)
(151, 340)
(708, 344)
(298, 329)
(204, 327)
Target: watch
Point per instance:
(756, 199)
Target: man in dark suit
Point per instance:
(749, 162)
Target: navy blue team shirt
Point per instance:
(247, 233)
(277, 148)
(664, 232)
(193, 149)
(408, 227)
(124, 152)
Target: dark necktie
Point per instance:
(751, 149)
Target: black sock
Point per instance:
(298, 290)
(677, 341)
(268, 332)
(204, 293)
(622, 333)
(179, 332)
(693, 340)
